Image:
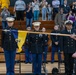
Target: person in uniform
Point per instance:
(68, 46)
(55, 44)
(36, 48)
(28, 56)
(9, 46)
(45, 45)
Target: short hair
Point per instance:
(55, 71)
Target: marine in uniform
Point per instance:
(68, 46)
(55, 44)
(9, 46)
(36, 48)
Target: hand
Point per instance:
(43, 52)
(74, 55)
(17, 50)
(61, 52)
(14, 10)
(72, 36)
(2, 49)
(56, 43)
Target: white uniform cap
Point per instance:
(36, 23)
(68, 22)
(10, 19)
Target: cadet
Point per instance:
(36, 48)
(28, 55)
(55, 44)
(45, 45)
(9, 46)
(68, 46)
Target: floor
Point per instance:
(27, 68)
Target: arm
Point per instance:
(2, 14)
(46, 40)
(52, 37)
(14, 7)
(14, 10)
(8, 13)
(28, 10)
(56, 19)
(24, 4)
(61, 42)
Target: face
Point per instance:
(10, 24)
(44, 0)
(43, 29)
(34, 0)
(65, 2)
(61, 10)
(69, 27)
(75, 17)
(28, 28)
(70, 12)
(36, 28)
(56, 27)
(48, 5)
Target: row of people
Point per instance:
(35, 5)
(45, 8)
(65, 44)
(62, 13)
(28, 54)
(37, 44)
(59, 18)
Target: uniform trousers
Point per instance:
(68, 61)
(10, 61)
(37, 61)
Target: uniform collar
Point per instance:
(36, 31)
(9, 27)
